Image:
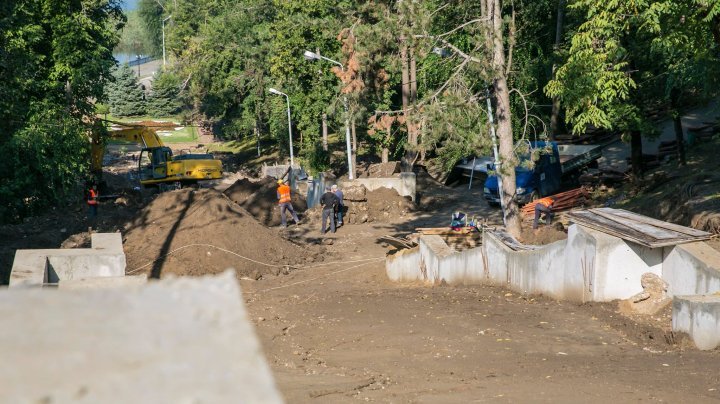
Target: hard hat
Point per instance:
(280, 181)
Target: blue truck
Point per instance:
(548, 173)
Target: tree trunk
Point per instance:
(324, 132)
(679, 137)
(555, 113)
(511, 213)
(385, 155)
(354, 146)
(636, 154)
(257, 137)
(677, 123)
(406, 91)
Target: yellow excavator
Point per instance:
(157, 164)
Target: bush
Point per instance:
(44, 161)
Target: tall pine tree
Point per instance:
(163, 100)
(126, 96)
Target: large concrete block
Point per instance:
(404, 266)
(691, 269)
(619, 265)
(186, 340)
(36, 267)
(104, 282)
(699, 317)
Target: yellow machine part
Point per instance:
(177, 169)
(184, 171)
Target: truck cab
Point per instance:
(544, 178)
(549, 171)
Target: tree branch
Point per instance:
(461, 26)
(451, 46)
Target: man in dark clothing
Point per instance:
(328, 201)
(340, 196)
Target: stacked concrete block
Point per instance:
(182, 340)
(105, 258)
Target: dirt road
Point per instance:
(334, 336)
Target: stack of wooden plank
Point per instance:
(563, 201)
(461, 239)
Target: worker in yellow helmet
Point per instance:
(285, 203)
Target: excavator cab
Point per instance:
(153, 163)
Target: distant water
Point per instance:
(129, 4)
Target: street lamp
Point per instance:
(314, 56)
(276, 92)
(163, 37)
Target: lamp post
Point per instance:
(314, 56)
(163, 38)
(276, 92)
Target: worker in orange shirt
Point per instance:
(545, 206)
(92, 201)
(284, 201)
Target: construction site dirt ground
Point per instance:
(335, 329)
(343, 331)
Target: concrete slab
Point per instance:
(184, 340)
(691, 269)
(104, 282)
(699, 317)
(33, 268)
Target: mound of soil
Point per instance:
(259, 198)
(381, 205)
(543, 235)
(175, 220)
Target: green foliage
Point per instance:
(44, 161)
(163, 100)
(632, 54)
(135, 38)
(126, 98)
(151, 15)
(55, 56)
(317, 159)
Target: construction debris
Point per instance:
(563, 201)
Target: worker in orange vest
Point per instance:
(544, 205)
(285, 203)
(92, 201)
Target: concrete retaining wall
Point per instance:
(404, 266)
(698, 316)
(404, 184)
(36, 267)
(691, 269)
(588, 266)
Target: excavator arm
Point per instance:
(141, 135)
(162, 166)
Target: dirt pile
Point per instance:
(543, 235)
(175, 220)
(363, 206)
(378, 170)
(259, 198)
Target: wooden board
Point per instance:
(655, 222)
(637, 228)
